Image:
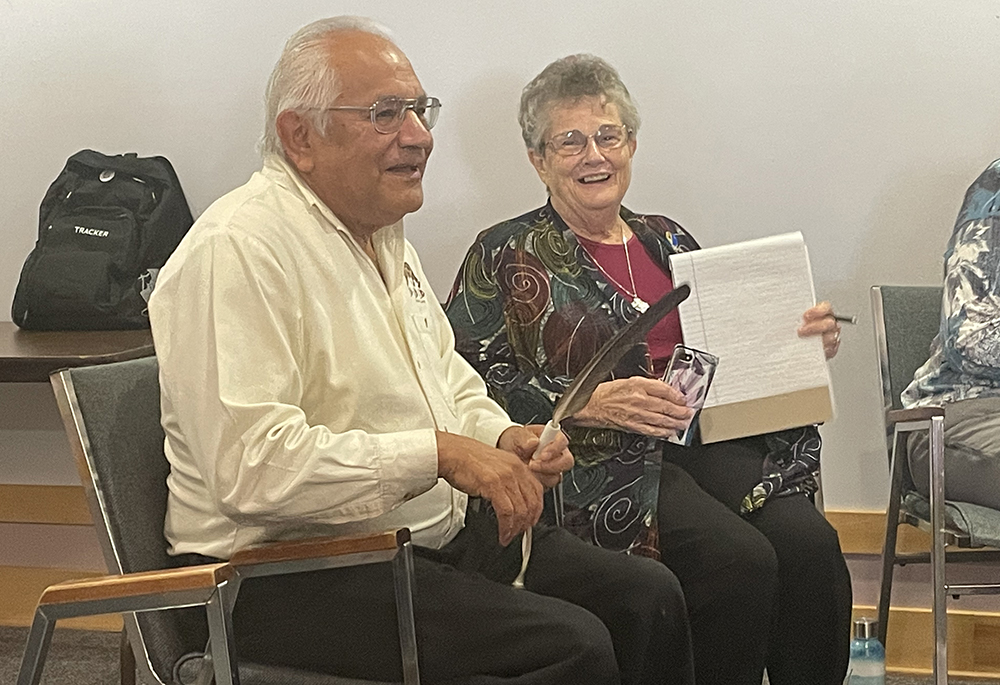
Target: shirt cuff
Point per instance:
(409, 463)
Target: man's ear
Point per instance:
(296, 136)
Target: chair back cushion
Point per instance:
(911, 317)
(118, 406)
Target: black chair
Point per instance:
(112, 417)
(906, 320)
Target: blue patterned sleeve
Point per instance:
(971, 304)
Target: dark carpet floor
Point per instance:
(76, 657)
(81, 657)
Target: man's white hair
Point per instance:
(303, 80)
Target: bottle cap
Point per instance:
(865, 628)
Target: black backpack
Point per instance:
(106, 226)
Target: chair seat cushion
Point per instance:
(981, 524)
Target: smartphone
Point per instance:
(690, 371)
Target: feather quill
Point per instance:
(603, 363)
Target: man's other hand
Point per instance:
(494, 474)
(551, 462)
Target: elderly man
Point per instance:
(309, 385)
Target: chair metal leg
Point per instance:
(39, 639)
(402, 572)
(891, 534)
(126, 661)
(220, 635)
(940, 608)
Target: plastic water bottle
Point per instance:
(867, 655)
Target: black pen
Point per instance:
(853, 318)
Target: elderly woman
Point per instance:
(762, 571)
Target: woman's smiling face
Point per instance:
(595, 179)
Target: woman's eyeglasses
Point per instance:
(571, 143)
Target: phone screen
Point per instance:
(690, 371)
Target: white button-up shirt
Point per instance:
(301, 383)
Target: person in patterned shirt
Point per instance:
(763, 575)
(963, 371)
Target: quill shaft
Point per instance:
(582, 387)
(548, 435)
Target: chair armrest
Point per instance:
(894, 416)
(279, 557)
(312, 548)
(150, 590)
(314, 553)
(133, 585)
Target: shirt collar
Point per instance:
(284, 174)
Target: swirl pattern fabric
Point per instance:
(530, 308)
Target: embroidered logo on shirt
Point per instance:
(413, 283)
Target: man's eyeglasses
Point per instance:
(388, 113)
(571, 143)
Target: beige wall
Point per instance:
(859, 123)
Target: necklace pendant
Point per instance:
(639, 304)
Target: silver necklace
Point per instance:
(638, 304)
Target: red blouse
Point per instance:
(651, 283)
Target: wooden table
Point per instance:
(30, 356)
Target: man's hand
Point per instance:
(496, 475)
(639, 405)
(552, 461)
(819, 320)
